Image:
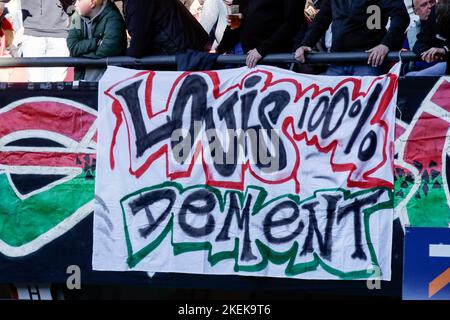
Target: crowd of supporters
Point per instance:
(255, 28)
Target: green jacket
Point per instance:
(103, 36)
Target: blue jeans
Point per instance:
(352, 70)
(237, 49)
(437, 70)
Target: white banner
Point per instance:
(260, 172)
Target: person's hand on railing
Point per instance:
(377, 55)
(300, 53)
(13, 51)
(433, 54)
(253, 57)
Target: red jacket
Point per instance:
(5, 25)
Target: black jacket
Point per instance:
(68, 6)
(162, 27)
(433, 36)
(3, 15)
(350, 29)
(268, 26)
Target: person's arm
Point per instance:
(139, 17)
(293, 19)
(8, 31)
(398, 13)
(229, 40)
(9, 38)
(114, 40)
(426, 37)
(232, 36)
(427, 46)
(77, 44)
(319, 26)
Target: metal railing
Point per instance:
(344, 57)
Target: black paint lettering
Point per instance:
(252, 81)
(364, 117)
(356, 207)
(194, 88)
(270, 223)
(367, 153)
(325, 242)
(355, 109)
(225, 111)
(325, 101)
(243, 221)
(188, 207)
(247, 101)
(145, 201)
(341, 95)
(281, 100)
(144, 139)
(301, 122)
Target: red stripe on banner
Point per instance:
(425, 145)
(50, 116)
(442, 96)
(46, 159)
(399, 130)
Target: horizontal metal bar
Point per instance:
(337, 57)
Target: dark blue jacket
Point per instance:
(350, 29)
